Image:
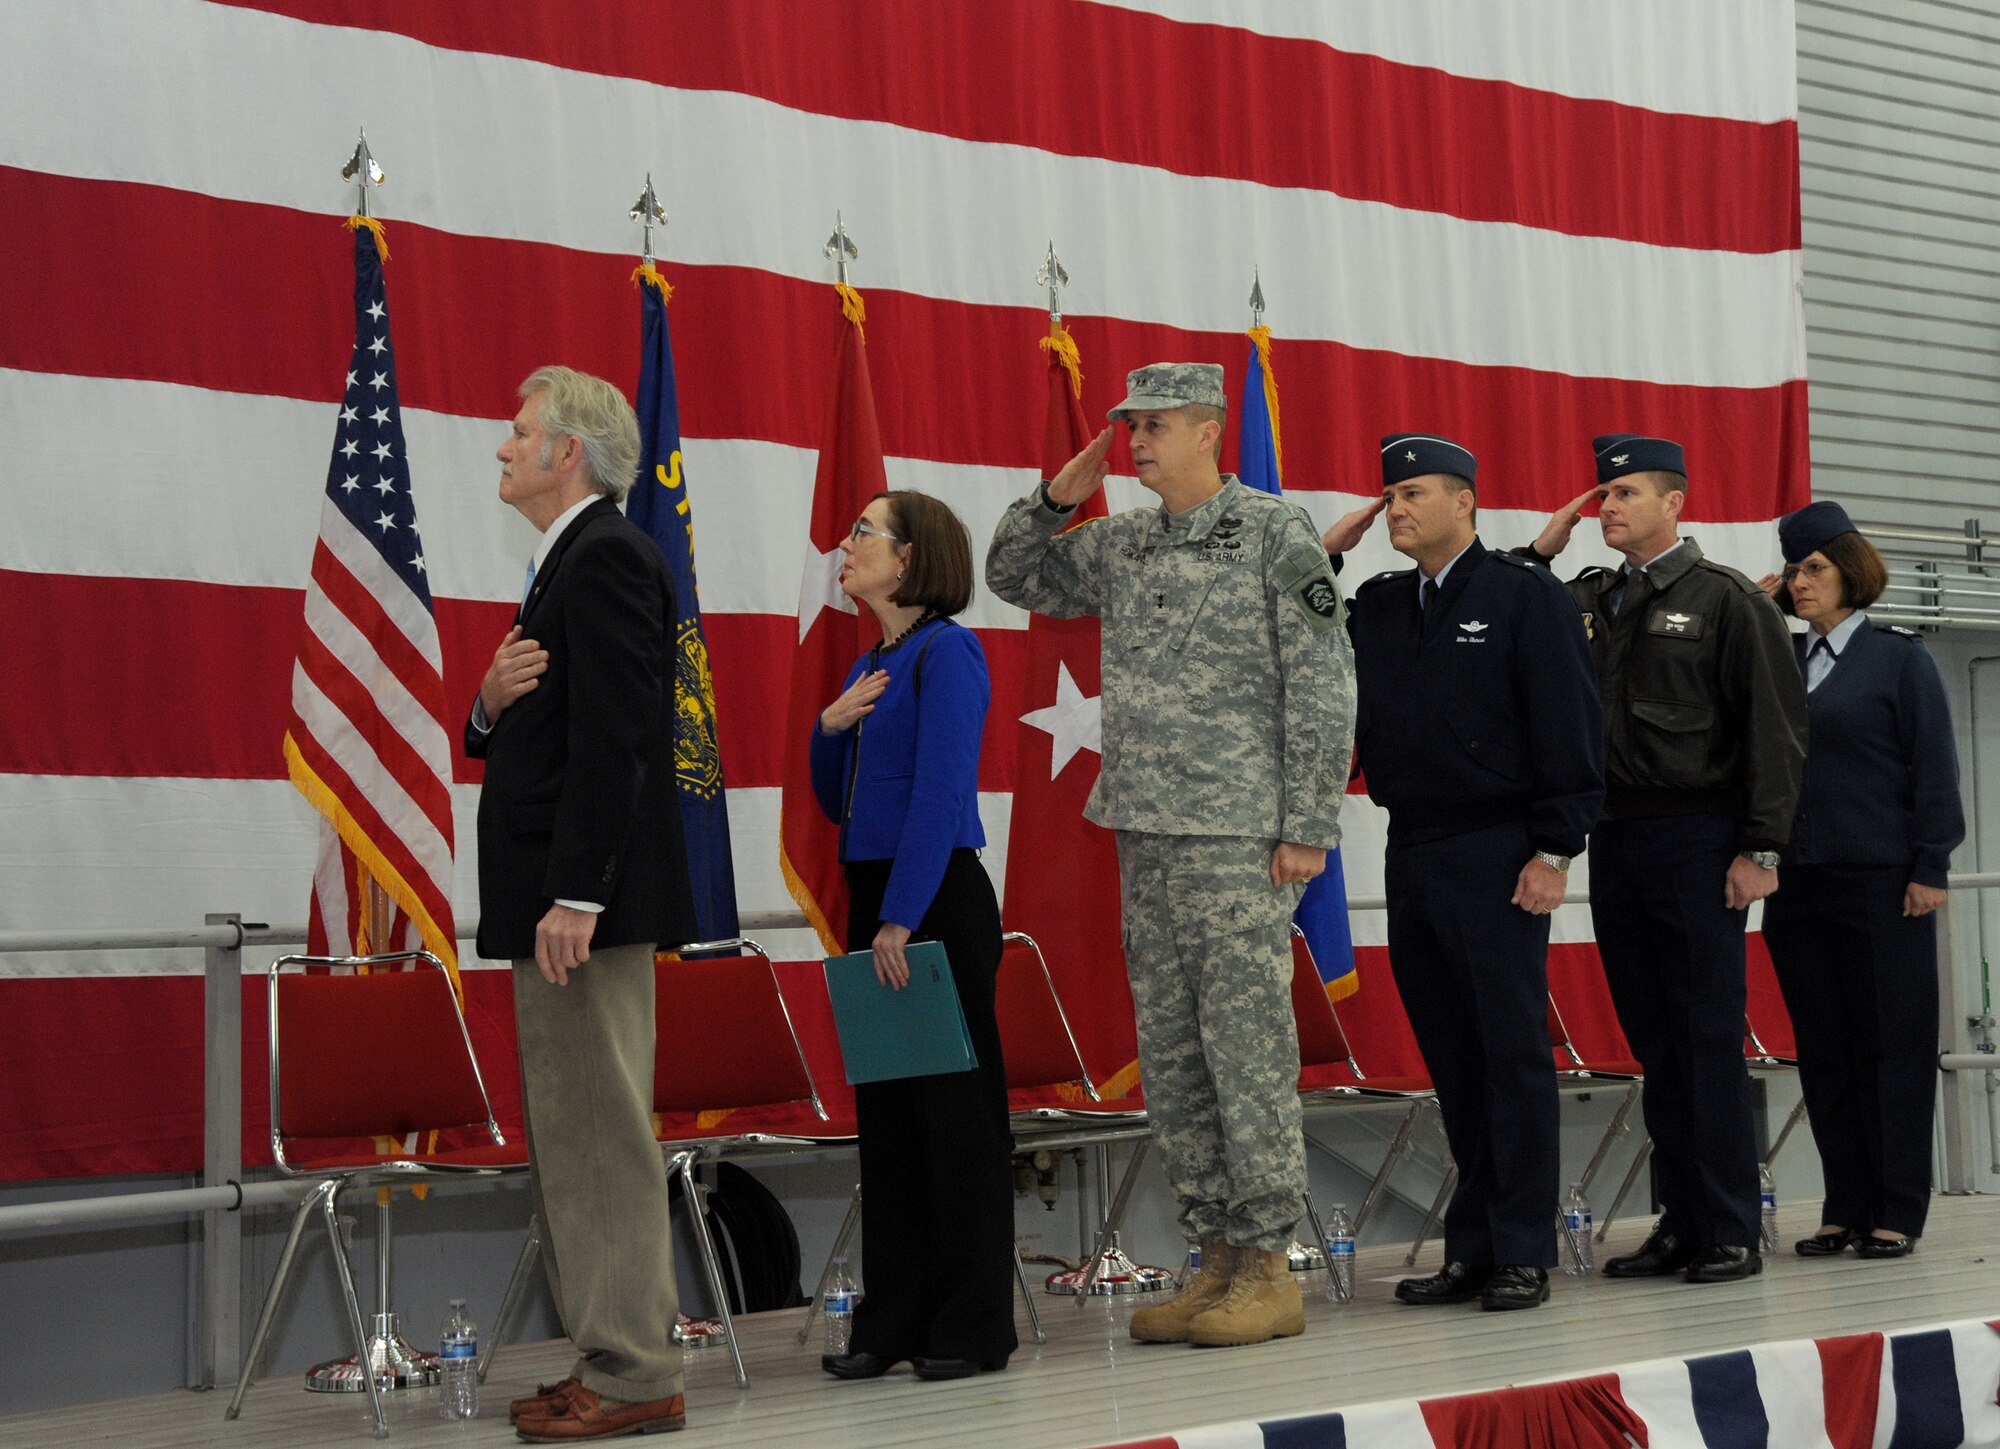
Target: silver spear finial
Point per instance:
(362, 170)
(840, 246)
(1256, 299)
(648, 212)
(1051, 275)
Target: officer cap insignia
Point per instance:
(1409, 457)
(1474, 627)
(1621, 459)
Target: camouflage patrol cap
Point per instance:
(1160, 386)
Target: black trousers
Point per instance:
(937, 1184)
(1673, 956)
(1473, 972)
(1860, 980)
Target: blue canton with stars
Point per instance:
(369, 480)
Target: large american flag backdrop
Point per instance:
(1519, 224)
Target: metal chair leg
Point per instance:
(1028, 1297)
(1639, 1161)
(711, 1262)
(276, 1292)
(1798, 1113)
(1312, 1216)
(826, 1274)
(530, 1251)
(1615, 1130)
(1431, 1218)
(1399, 1148)
(354, 1320)
(1112, 1218)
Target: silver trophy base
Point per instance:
(396, 1365)
(1116, 1273)
(695, 1334)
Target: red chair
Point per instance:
(1581, 1010)
(376, 1053)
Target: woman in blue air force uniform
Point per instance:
(1849, 927)
(895, 763)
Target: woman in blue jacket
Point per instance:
(1849, 927)
(895, 763)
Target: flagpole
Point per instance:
(362, 170)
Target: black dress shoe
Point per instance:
(856, 1365)
(1454, 1283)
(1661, 1254)
(1514, 1285)
(1724, 1265)
(1873, 1247)
(955, 1368)
(1824, 1245)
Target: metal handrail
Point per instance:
(255, 933)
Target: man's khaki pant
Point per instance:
(600, 1183)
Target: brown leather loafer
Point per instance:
(584, 1414)
(541, 1401)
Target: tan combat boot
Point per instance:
(1168, 1322)
(1263, 1303)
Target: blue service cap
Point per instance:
(1413, 455)
(1812, 528)
(1622, 453)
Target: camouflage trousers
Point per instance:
(1208, 952)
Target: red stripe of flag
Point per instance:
(336, 678)
(937, 395)
(1301, 113)
(395, 650)
(394, 848)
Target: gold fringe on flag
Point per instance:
(1062, 347)
(647, 275)
(852, 307)
(356, 222)
(1261, 336)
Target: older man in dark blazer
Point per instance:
(582, 873)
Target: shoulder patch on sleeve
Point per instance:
(1306, 574)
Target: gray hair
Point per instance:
(596, 414)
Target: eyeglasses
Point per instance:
(1812, 569)
(864, 529)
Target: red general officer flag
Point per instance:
(1062, 871)
(832, 631)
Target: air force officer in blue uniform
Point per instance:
(1481, 732)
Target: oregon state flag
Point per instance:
(659, 504)
(1322, 912)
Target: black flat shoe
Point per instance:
(1454, 1283)
(1825, 1245)
(955, 1368)
(856, 1365)
(1515, 1286)
(1662, 1253)
(1873, 1247)
(1724, 1265)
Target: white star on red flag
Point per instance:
(1074, 722)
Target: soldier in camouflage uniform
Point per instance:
(1228, 720)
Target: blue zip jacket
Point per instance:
(911, 767)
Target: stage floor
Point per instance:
(1089, 1384)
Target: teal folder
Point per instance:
(916, 1032)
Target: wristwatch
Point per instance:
(1553, 861)
(1050, 503)
(1762, 859)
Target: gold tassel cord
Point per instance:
(852, 307)
(356, 222)
(647, 275)
(1061, 346)
(1261, 336)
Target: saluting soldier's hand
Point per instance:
(1921, 900)
(1554, 537)
(855, 704)
(1772, 584)
(1346, 532)
(1296, 864)
(1082, 475)
(515, 669)
(1747, 882)
(892, 967)
(1540, 887)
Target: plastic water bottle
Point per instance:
(841, 1296)
(458, 1357)
(1578, 1257)
(1340, 1255)
(1193, 1264)
(1767, 1189)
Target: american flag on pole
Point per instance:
(367, 744)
